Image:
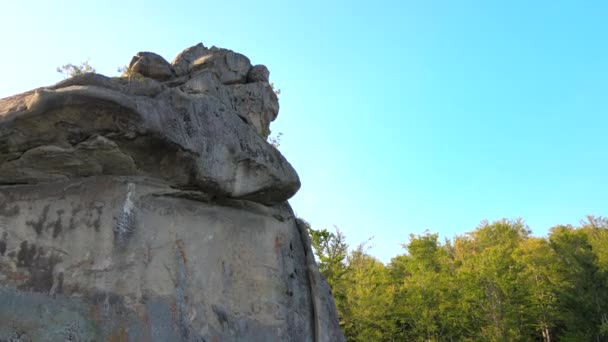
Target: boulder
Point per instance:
(258, 73)
(182, 62)
(151, 65)
(228, 66)
(152, 208)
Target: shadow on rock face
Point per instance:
(199, 123)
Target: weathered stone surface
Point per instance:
(140, 87)
(152, 208)
(256, 102)
(196, 133)
(259, 73)
(182, 62)
(124, 258)
(94, 156)
(228, 66)
(152, 65)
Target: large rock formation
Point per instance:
(150, 207)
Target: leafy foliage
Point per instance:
(275, 140)
(71, 70)
(276, 91)
(495, 283)
(130, 74)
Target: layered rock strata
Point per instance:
(150, 207)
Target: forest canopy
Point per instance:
(495, 283)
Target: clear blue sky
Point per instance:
(399, 116)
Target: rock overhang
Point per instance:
(198, 123)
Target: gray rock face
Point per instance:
(227, 66)
(202, 131)
(132, 259)
(151, 208)
(258, 73)
(182, 64)
(149, 64)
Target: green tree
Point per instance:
(369, 293)
(426, 297)
(275, 140)
(495, 283)
(596, 229)
(541, 277)
(330, 251)
(492, 299)
(71, 70)
(584, 299)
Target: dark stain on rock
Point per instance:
(75, 211)
(3, 243)
(72, 224)
(41, 272)
(57, 228)
(90, 218)
(279, 218)
(185, 116)
(8, 211)
(40, 266)
(39, 225)
(59, 289)
(221, 314)
(26, 254)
